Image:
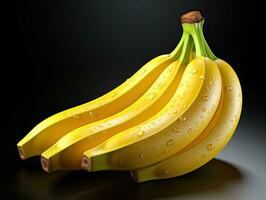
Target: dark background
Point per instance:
(63, 53)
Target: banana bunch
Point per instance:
(171, 117)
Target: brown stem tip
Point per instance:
(21, 153)
(45, 164)
(86, 163)
(191, 17)
(134, 175)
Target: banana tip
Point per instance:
(45, 164)
(134, 176)
(21, 153)
(86, 163)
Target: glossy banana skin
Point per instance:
(50, 130)
(210, 142)
(174, 127)
(53, 128)
(66, 153)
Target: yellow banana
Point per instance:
(211, 141)
(67, 152)
(53, 128)
(174, 127)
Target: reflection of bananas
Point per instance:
(171, 117)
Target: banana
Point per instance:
(67, 151)
(210, 142)
(53, 128)
(174, 127)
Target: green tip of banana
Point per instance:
(172, 116)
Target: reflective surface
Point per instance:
(214, 177)
(237, 173)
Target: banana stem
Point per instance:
(177, 51)
(194, 31)
(183, 49)
(206, 46)
(192, 23)
(187, 47)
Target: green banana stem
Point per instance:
(201, 46)
(183, 49)
(186, 51)
(177, 51)
(206, 46)
(193, 30)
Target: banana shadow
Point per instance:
(215, 176)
